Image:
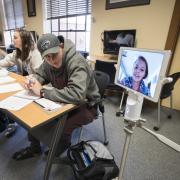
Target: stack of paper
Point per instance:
(14, 103)
(23, 98)
(48, 104)
(18, 100)
(6, 79)
(27, 94)
(10, 87)
(3, 72)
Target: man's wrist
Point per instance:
(41, 93)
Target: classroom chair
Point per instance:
(102, 80)
(166, 92)
(108, 67)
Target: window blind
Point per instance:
(67, 8)
(13, 14)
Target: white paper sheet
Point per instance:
(10, 87)
(48, 104)
(3, 72)
(6, 79)
(27, 94)
(14, 103)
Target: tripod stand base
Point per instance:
(119, 113)
(156, 128)
(106, 143)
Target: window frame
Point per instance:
(66, 31)
(10, 28)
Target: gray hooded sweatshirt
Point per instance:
(73, 82)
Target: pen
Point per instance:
(45, 108)
(30, 82)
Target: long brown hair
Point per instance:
(27, 44)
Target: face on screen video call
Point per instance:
(140, 70)
(135, 80)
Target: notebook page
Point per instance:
(14, 103)
(48, 104)
(6, 79)
(27, 94)
(10, 87)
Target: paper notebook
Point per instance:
(10, 87)
(14, 103)
(6, 79)
(27, 94)
(48, 104)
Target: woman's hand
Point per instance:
(33, 84)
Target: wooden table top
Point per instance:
(33, 115)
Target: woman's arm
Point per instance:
(2, 53)
(8, 61)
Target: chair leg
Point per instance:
(156, 128)
(104, 129)
(120, 112)
(171, 106)
(80, 134)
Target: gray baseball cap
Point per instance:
(47, 44)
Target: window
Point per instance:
(70, 18)
(13, 18)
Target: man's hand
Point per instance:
(33, 84)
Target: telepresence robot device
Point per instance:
(129, 70)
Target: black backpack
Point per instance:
(91, 160)
(3, 122)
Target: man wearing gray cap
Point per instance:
(72, 82)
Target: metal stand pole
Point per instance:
(129, 131)
(120, 111)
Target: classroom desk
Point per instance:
(92, 60)
(33, 118)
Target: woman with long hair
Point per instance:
(26, 57)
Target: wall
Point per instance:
(150, 21)
(1, 36)
(1, 29)
(175, 67)
(34, 23)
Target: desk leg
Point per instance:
(54, 143)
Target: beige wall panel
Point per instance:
(151, 22)
(34, 23)
(175, 67)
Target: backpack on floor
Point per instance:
(92, 160)
(3, 122)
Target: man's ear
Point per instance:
(61, 45)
